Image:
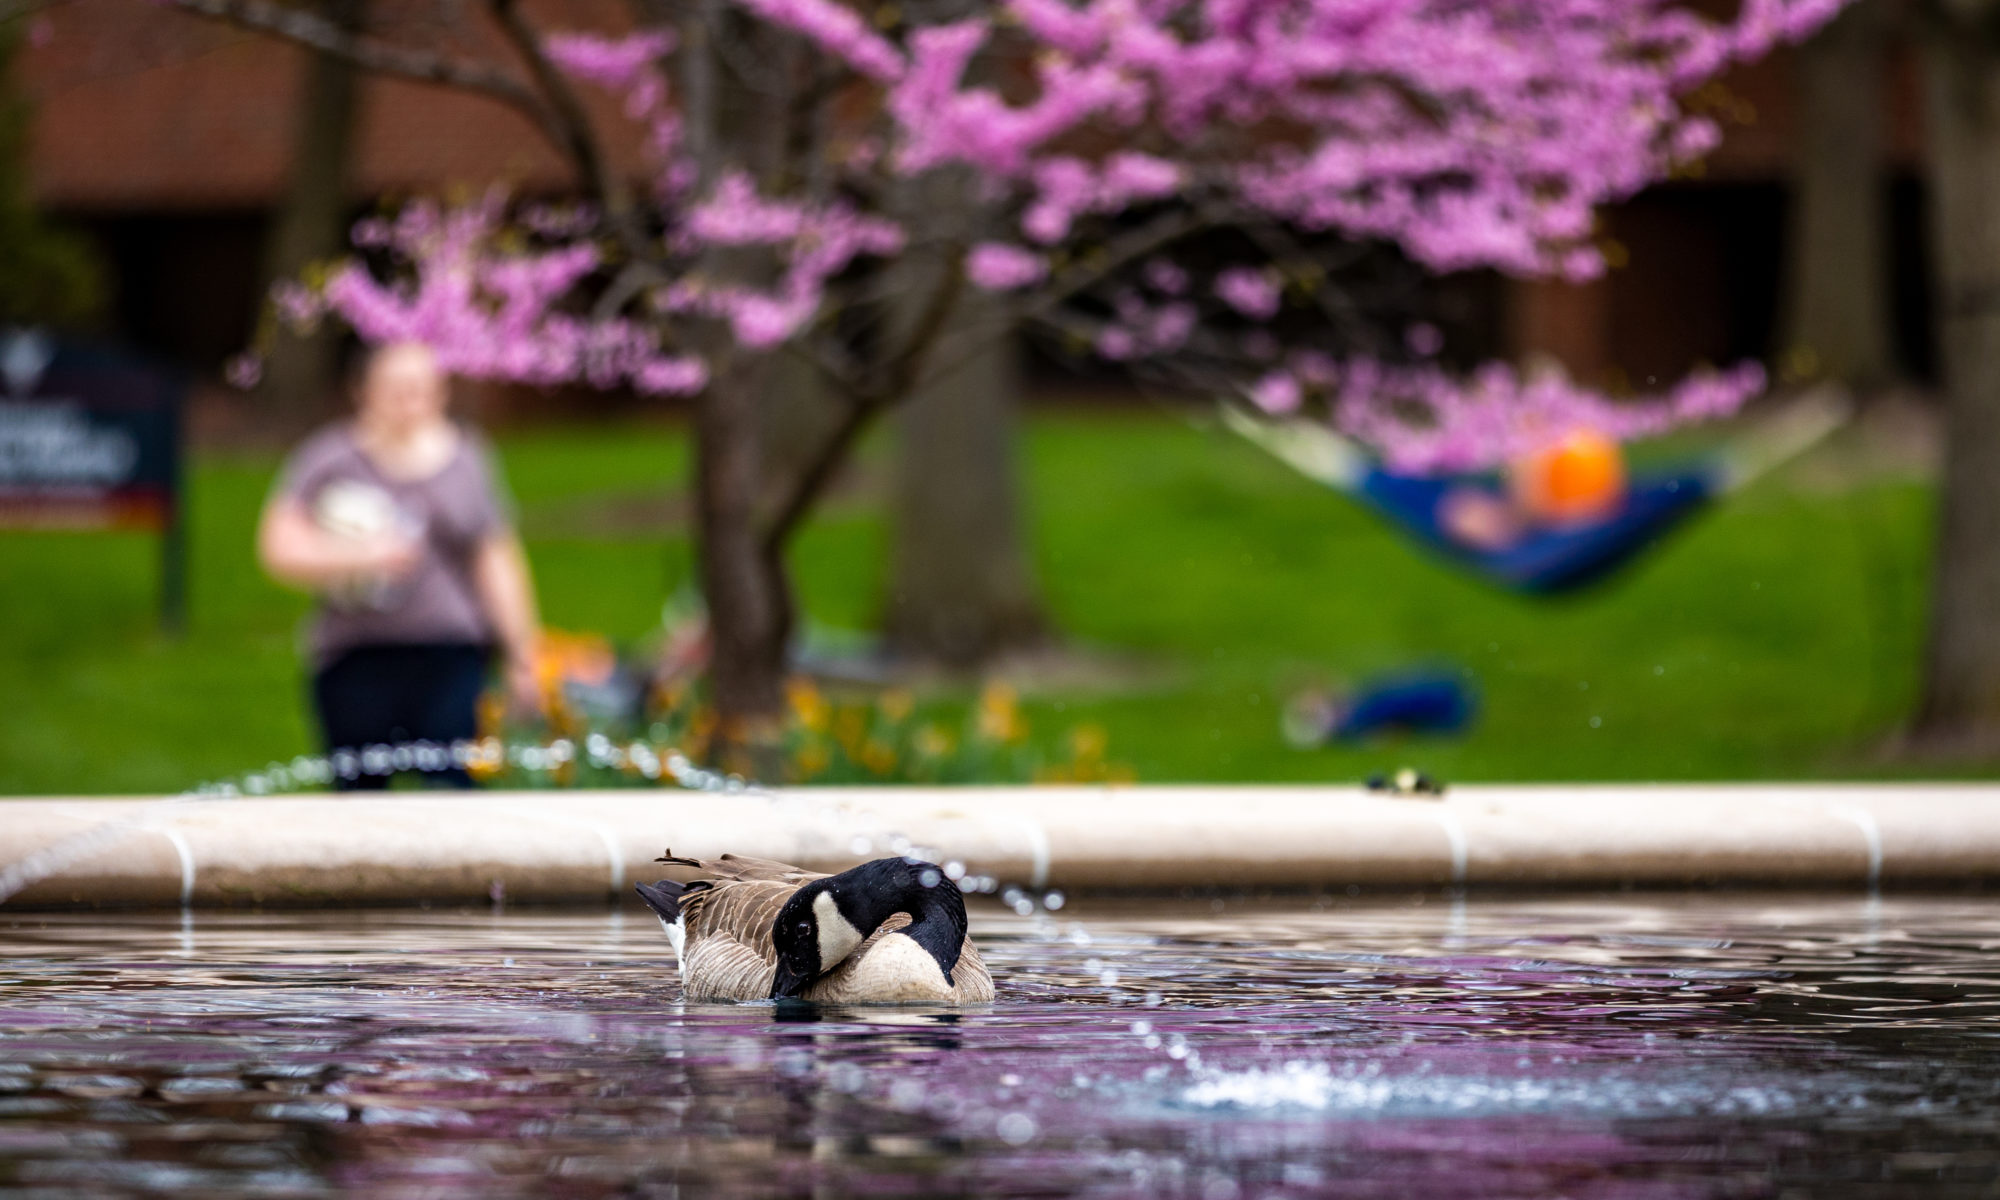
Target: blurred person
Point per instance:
(1574, 480)
(396, 520)
(1418, 700)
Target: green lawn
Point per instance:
(1777, 637)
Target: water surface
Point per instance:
(1627, 1046)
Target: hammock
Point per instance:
(1549, 559)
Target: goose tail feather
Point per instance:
(663, 898)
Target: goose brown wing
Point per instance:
(737, 866)
(742, 868)
(727, 941)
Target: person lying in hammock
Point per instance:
(1560, 518)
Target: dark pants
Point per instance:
(388, 695)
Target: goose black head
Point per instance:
(826, 920)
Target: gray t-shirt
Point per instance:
(449, 512)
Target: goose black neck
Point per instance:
(885, 887)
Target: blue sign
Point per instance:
(91, 439)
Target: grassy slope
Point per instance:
(1777, 637)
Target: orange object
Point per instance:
(582, 657)
(1579, 476)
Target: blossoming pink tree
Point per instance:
(825, 178)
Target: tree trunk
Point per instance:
(1837, 321)
(1961, 698)
(799, 411)
(961, 590)
(744, 584)
(301, 372)
(748, 596)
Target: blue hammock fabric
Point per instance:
(1551, 559)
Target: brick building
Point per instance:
(169, 139)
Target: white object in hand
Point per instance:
(354, 510)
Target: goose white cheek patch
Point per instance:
(837, 937)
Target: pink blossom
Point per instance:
(243, 371)
(499, 315)
(1248, 292)
(1117, 344)
(626, 64)
(611, 61)
(1456, 135)
(1167, 277)
(371, 233)
(1424, 420)
(1061, 25)
(838, 30)
(296, 304)
(1277, 393)
(1068, 187)
(761, 322)
(998, 267)
(1169, 327)
(1424, 339)
(735, 215)
(671, 376)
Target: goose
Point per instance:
(891, 931)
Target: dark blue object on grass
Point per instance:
(1411, 702)
(1549, 559)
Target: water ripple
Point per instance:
(1623, 1046)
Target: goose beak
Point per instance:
(787, 983)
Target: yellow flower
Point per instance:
(1087, 743)
(850, 725)
(807, 704)
(1000, 714)
(492, 712)
(668, 697)
(811, 760)
(487, 760)
(932, 742)
(878, 757)
(896, 704)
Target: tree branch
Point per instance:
(1043, 307)
(899, 378)
(14, 10)
(381, 58)
(700, 104)
(634, 278)
(906, 364)
(833, 361)
(819, 472)
(1120, 252)
(907, 367)
(551, 105)
(571, 127)
(1338, 309)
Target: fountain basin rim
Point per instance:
(587, 846)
